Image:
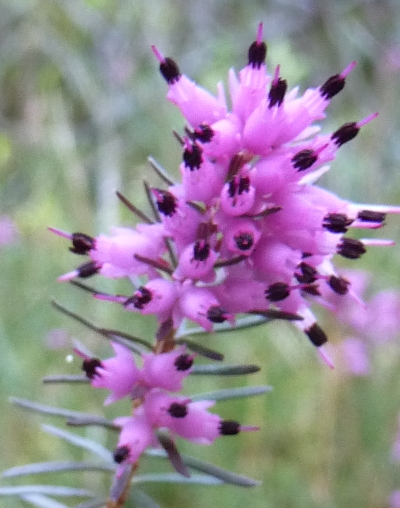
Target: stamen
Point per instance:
(229, 428)
(316, 335)
(184, 362)
(177, 410)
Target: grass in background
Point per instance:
(82, 107)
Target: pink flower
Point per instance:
(118, 374)
(247, 210)
(167, 370)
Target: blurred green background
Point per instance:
(82, 106)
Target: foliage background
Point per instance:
(81, 108)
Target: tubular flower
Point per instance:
(247, 229)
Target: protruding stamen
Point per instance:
(336, 222)
(203, 133)
(229, 428)
(61, 233)
(277, 90)
(89, 367)
(82, 243)
(349, 130)
(316, 335)
(378, 242)
(277, 291)
(83, 271)
(140, 299)
(258, 50)
(217, 314)
(325, 358)
(371, 216)
(169, 68)
(166, 202)
(260, 33)
(339, 285)
(351, 248)
(192, 156)
(304, 159)
(335, 83)
(184, 362)
(308, 273)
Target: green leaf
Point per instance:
(176, 478)
(223, 370)
(55, 467)
(41, 501)
(122, 338)
(233, 393)
(93, 503)
(201, 350)
(210, 469)
(50, 490)
(245, 322)
(81, 442)
(57, 411)
(142, 500)
(174, 456)
(161, 172)
(66, 378)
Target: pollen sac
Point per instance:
(345, 133)
(203, 133)
(201, 250)
(371, 216)
(244, 241)
(167, 203)
(237, 196)
(304, 159)
(311, 289)
(89, 367)
(316, 335)
(140, 299)
(277, 292)
(339, 285)
(88, 269)
(183, 362)
(277, 93)
(351, 248)
(216, 314)
(82, 243)
(120, 454)
(192, 157)
(229, 428)
(332, 86)
(256, 54)
(177, 410)
(336, 222)
(308, 273)
(170, 71)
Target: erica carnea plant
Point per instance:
(244, 237)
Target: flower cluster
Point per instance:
(154, 407)
(246, 230)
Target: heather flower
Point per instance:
(247, 227)
(177, 414)
(167, 370)
(118, 374)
